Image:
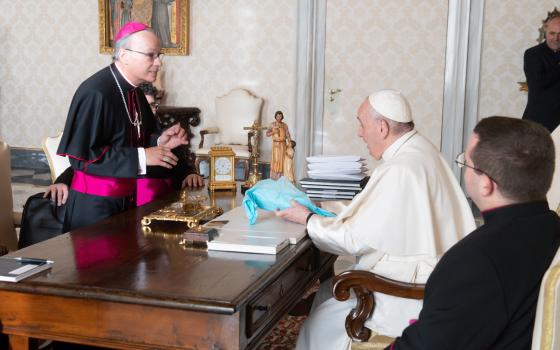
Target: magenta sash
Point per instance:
(148, 189)
(103, 185)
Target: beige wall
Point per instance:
(510, 27)
(387, 44)
(50, 46)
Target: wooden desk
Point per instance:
(114, 285)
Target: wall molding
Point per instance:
(310, 77)
(462, 77)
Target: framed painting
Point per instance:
(168, 19)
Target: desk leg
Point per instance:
(19, 342)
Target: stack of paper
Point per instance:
(336, 168)
(334, 177)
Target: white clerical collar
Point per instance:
(124, 75)
(392, 150)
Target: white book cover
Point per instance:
(330, 191)
(334, 171)
(14, 269)
(322, 188)
(267, 225)
(330, 196)
(325, 159)
(308, 182)
(336, 165)
(355, 177)
(232, 241)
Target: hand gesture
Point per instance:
(173, 137)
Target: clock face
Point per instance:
(222, 168)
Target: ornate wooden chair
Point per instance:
(364, 284)
(8, 219)
(235, 110)
(57, 164)
(546, 332)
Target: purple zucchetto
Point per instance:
(130, 28)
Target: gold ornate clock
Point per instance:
(222, 168)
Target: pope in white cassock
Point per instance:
(410, 212)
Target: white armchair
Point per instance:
(237, 109)
(8, 219)
(547, 319)
(57, 164)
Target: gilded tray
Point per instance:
(190, 211)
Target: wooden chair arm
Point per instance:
(364, 283)
(212, 130)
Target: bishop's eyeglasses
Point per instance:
(152, 55)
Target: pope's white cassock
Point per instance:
(411, 211)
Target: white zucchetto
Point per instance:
(392, 105)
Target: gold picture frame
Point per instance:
(174, 12)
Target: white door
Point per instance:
(375, 44)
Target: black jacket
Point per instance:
(542, 69)
(483, 293)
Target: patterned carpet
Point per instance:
(284, 335)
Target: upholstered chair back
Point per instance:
(553, 195)
(57, 164)
(234, 111)
(8, 236)
(546, 332)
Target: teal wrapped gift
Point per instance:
(276, 194)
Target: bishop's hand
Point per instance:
(161, 156)
(173, 137)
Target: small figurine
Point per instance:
(280, 141)
(289, 162)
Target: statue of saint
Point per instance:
(280, 141)
(289, 162)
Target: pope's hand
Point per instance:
(296, 213)
(193, 180)
(161, 156)
(173, 137)
(58, 193)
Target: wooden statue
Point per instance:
(280, 141)
(289, 162)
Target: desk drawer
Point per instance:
(265, 305)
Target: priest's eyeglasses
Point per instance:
(152, 55)
(154, 105)
(462, 162)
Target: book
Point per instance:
(342, 183)
(267, 225)
(351, 177)
(338, 165)
(311, 191)
(332, 159)
(238, 241)
(330, 196)
(335, 172)
(14, 269)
